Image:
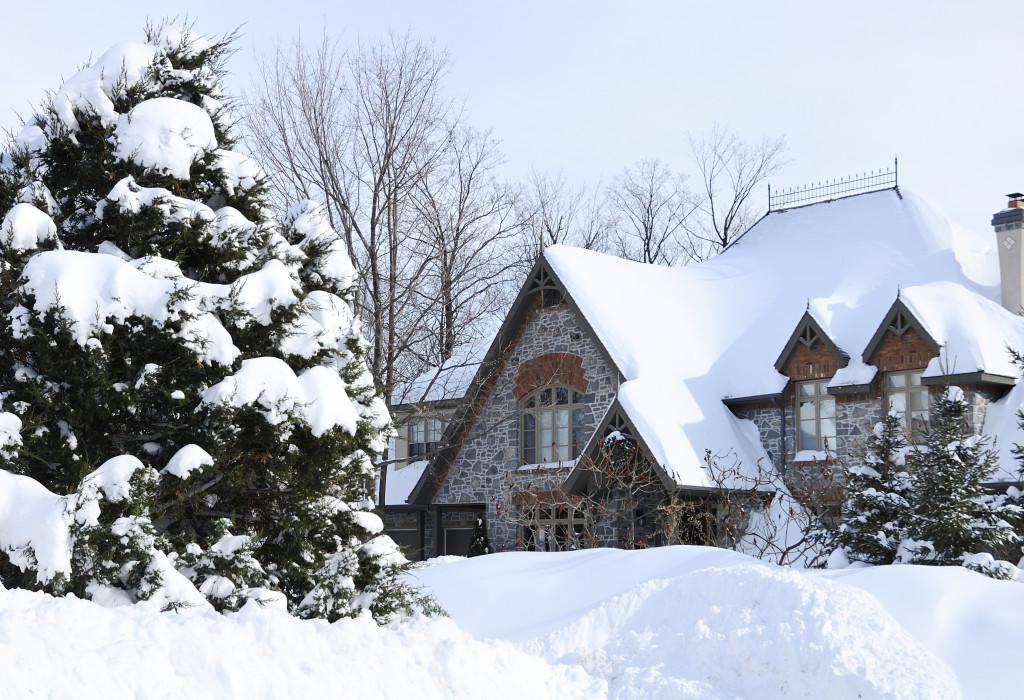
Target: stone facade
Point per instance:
(487, 476)
(488, 465)
(856, 414)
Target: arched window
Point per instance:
(552, 425)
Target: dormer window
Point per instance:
(552, 418)
(424, 436)
(816, 416)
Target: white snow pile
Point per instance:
(25, 227)
(165, 134)
(674, 622)
(694, 622)
(64, 647)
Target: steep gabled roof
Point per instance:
(542, 278)
(898, 320)
(972, 334)
(806, 333)
(687, 338)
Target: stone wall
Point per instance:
(488, 463)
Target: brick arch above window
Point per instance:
(551, 368)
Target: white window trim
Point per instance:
(537, 411)
(913, 435)
(817, 397)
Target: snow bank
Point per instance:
(705, 623)
(258, 652)
(750, 631)
(674, 622)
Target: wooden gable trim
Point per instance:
(541, 278)
(898, 320)
(615, 420)
(807, 332)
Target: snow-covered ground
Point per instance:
(675, 622)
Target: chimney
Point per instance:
(1009, 226)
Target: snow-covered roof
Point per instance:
(974, 331)
(686, 338)
(402, 478)
(447, 382)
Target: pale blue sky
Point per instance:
(588, 87)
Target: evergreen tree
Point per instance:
(877, 507)
(480, 543)
(952, 516)
(152, 308)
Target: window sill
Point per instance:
(548, 466)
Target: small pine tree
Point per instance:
(952, 515)
(877, 508)
(481, 543)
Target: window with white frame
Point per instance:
(555, 528)
(552, 424)
(905, 394)
(424, 436)
(816, 416)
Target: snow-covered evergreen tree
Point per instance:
(952, 516)
(153, 310)
(876, 510)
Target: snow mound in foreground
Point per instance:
(749, 631)
(262, 653)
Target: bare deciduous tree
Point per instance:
(652, 207)
(730, 168)
(552, 212)
(465, 220)
(358, 131)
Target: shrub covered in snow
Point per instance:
(183, 385)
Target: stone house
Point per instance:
(776, 356)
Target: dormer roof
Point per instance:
(808, 331)
(898, 320)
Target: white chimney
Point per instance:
(1009, 226)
